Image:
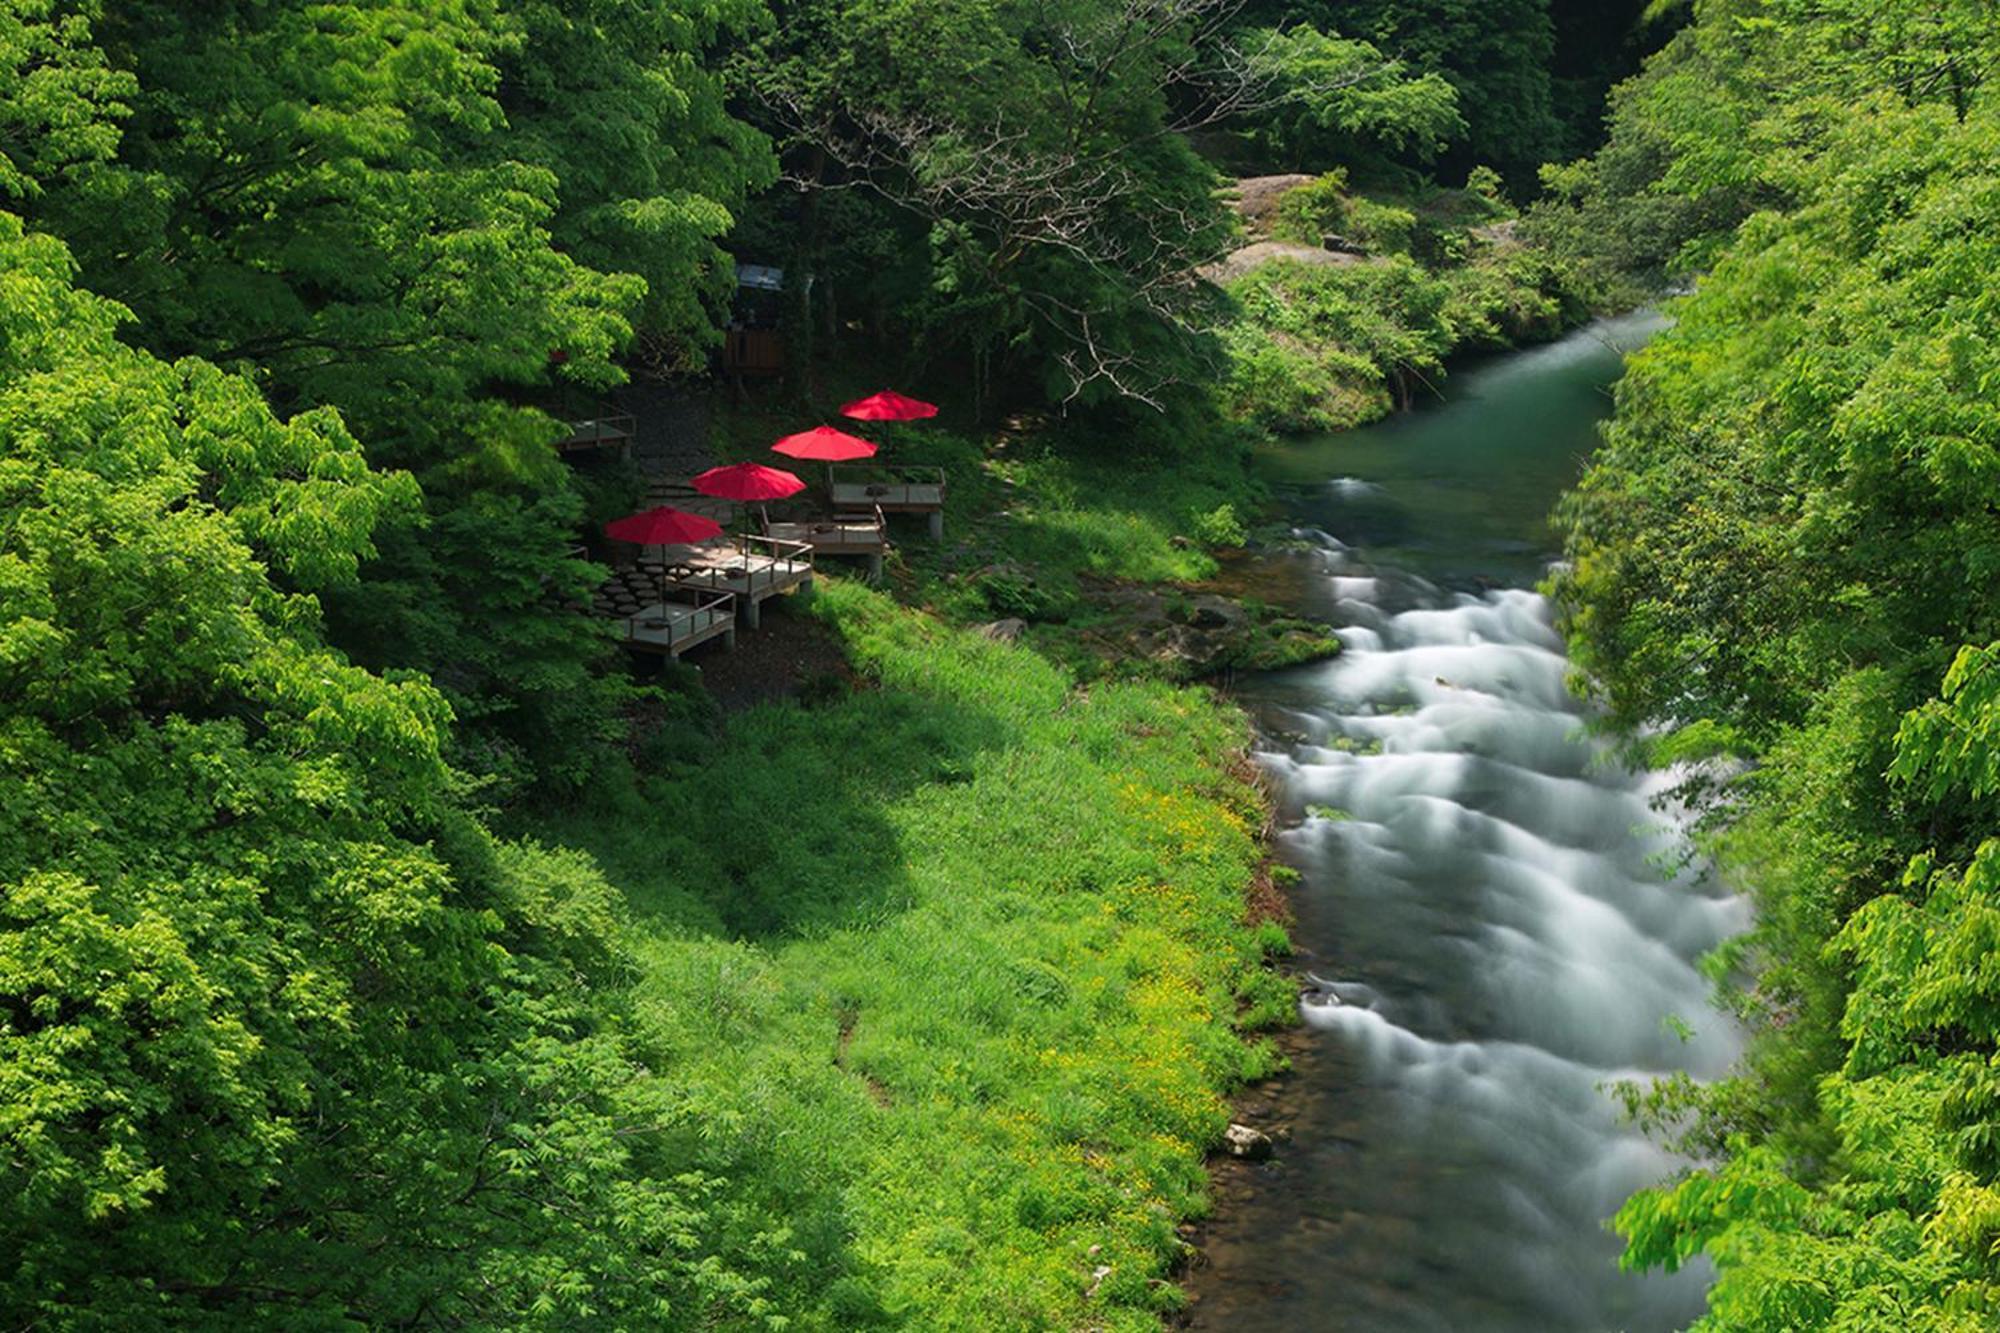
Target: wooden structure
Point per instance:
(753, 352)
(603, 432)
(753, 343)
(843, 534)
(863, 486)
(688, 616)
(749, 568)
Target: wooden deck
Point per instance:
(844, 534)
(751, 568)
(891, 490)
(606, 432)
(686, 618)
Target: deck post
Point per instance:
(874, 566)
(729, 639)
(750, 616)
(937, 525)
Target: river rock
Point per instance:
(1216, 613)
(1250, 1144)
(1005, 631)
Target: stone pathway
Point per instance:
(670, 443)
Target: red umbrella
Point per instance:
(749, 481)
(825, 444)
(664, 526)
(889, 405)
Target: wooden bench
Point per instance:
(890, 490)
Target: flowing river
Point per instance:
(1504, 917)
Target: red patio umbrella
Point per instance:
(749, 482)
(662, 526)
(825, 444)
(889, 405)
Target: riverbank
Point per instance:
(1351, 305)
(951, 910)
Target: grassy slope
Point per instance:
(951, 968)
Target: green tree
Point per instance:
(285, 1038)
(60, 101)
(334, 199)
(1039, 151)
(1496, 54)
(617, 101)
(1343, 101)
(1783, 547)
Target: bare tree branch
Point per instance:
(1058, 178)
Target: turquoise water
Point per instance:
(1460, 491)
(1489, 938)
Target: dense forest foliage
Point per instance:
(1784, 564)
(376, 950)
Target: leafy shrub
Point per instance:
(1381, 228)
(1506, 299)
(1485, 184)
(1013, 591)
(1277, 383)
(1327, 347)
(1308, 213)
(1220, 526)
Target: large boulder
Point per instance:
(1255, 199)
(1211, 612)
(1258, 253)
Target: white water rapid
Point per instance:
(1501, 922)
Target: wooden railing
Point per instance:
(615, 429)
(904, 490)
(702, 612)
(794, 556)
(789, 560)
(840, 530)
(851, 474)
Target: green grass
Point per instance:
(952, 971)
(1056, 513)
